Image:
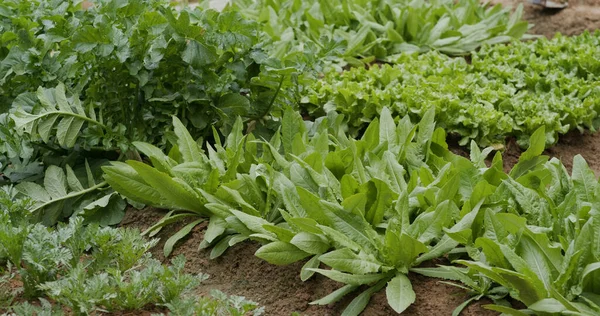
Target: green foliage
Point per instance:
(379, 29)
(180, 180)
(116, 72)
(45, 308)
(18, 158)
(64, 193)
(310, 191)
(365, 212)
(507, 90)
(374, 208)
(91, 269)
(218, 304)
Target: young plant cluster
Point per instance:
(506, 90)
(90, 269)
(373, 209)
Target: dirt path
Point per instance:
(579, 16)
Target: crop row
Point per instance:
(373, 209)
(504, 90)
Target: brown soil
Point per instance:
(579, 16)
(280, 290)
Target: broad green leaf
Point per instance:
(537, 143)
(310, 243)
(353, 227)
(220, 247)
(584, 181)
(34, 191)
(347, 261)
(55, 182)
(72, 180)
(198, 54)
(493, 253)
(547, 305)
(216, 227)
(291, 126)
(348, 278)
(313, 263)
(400, 294)
(107, 210)
(125, 180)
(189, 149)
(172, 193)
(591, 277)
(282, 233)
(387, 128)
(254, 223)
(281, 253)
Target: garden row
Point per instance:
(200, 114)
(502, 90)
(374, 208)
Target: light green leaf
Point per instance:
(346, 260)
(335, 295)
(400, 294)
(347, 278)
(313, 263)
(537, 144)
(189, 149)
(310, 243)
(168, 248)
(34, 191)
(281, 253)
(125, 180)
(55, 182)
(216, 227)
(173, 193)
(548, 305)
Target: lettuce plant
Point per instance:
(507, 90)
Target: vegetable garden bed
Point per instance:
(309, 156)
(280, 289)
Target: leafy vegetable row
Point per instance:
(379, 29)
(373, 209)
(506, 90)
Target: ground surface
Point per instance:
(280, 289)
(579, 16)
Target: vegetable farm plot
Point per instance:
(286, 157)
